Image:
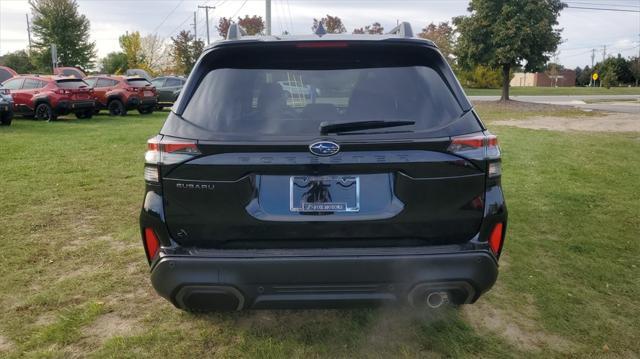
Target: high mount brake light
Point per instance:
(322, 44)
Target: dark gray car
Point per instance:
(168, 88)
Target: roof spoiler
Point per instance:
(235, 32)
(403, 29)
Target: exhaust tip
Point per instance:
(437, 299)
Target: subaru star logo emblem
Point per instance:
(324, 148)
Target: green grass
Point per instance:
(74, 282)
(556, 91)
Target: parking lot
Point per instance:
(76, 279)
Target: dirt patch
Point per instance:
(5, 344)
(517, 329)
(110, 325)
(614, 122)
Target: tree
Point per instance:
(634, 68)
(480, 77)
(332, 24)
(223, 26)
(507, 33)
(114, 63)
(185, 51)
(583, 76)
(443, 36)
(252, 25)
(131, 45)
(373, 29)
(58, 22)
(19, 61)
(154, 52)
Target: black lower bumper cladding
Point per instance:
(207, 283)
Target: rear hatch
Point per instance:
(77, 89)
(301, 145)
(143, 87)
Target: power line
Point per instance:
(237, 11)
(602, 9)
(166, 17)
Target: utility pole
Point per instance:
(195, 27)
(604, 53)
(267, 16)
(593, 57)
(206, 12)
(28, 32)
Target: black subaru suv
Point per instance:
(367, 178)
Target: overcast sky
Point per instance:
(583, 29)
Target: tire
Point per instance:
(116, 108)
(86, 114)
(145, 110)
(5, 118)
(45, 112)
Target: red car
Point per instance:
(47, 97)
(118, 94)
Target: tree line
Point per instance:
(483, 47)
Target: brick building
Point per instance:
(566, 78)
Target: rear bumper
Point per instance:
(135, 102)
(321, 278)
(64, 107)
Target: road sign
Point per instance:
(595, 76)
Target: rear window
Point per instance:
(138, 82)
(291, 95)
(71, 84)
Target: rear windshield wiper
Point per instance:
(326, 128)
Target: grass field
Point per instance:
(74, 280)
(559, 91)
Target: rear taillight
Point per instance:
(132, 89)
(151, 243)
(495, 239)
(482, 147)
(166, 151)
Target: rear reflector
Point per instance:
(152, 244)
(495, 239)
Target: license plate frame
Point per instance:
(346, 187)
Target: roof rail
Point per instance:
(235, 32)
(403, 29)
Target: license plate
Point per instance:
(148, 93)
(324, 194)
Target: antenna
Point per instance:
(320, 30)
(235, 32)
(403, 29)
